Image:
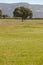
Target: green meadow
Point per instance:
(21, 43)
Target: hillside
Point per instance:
(9, 8)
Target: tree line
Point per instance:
(22, 12)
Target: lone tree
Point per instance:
(0, 13)
(22, 12)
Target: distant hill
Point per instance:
(9, 8)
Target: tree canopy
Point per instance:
(22, 12)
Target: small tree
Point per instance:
(22, 12)
(5, 16)
(0, 13)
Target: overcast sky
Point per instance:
(27, 1)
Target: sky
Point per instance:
(27, 1)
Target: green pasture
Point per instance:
(21, 43)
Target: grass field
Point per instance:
(21, 43)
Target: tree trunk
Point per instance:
(22, 19)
